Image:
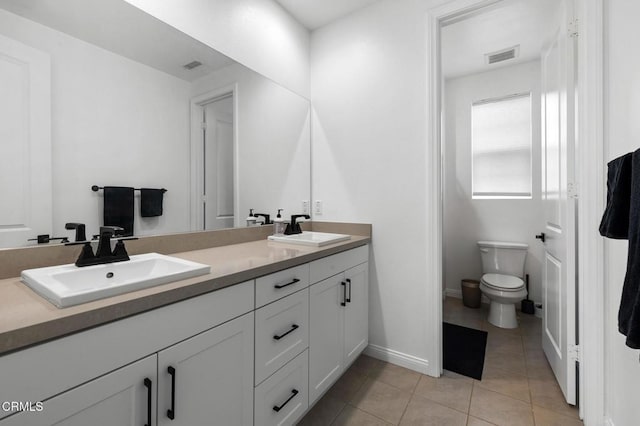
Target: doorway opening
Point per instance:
(507, 113)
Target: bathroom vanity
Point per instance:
(256, 341)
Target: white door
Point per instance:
(326, 334)
(559, 264)
(218, 164)
(126, 397)
(25, 143)
(208, 379)
(356, 322)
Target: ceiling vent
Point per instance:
(502, 55)
(192, 65)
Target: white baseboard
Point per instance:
(457, 293)
(398, 358)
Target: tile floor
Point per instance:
(517, 387)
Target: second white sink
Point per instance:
(309, 238)
(68, 285)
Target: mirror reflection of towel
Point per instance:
(118, 208)
(151, 202)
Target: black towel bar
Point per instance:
(96, 188)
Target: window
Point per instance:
(501, 147)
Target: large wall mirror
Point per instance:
(100, 93)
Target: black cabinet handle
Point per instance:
(542, 236)
(344, 294)
(293, 328)
(147, 384)
(276, 408)
(172, 412)
(279, 286)
(349, 298)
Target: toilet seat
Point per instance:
(502, 282)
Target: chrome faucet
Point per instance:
(103, 253)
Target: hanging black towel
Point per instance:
(151, 202)
(118, 208)
(629, 312)
(615, 220)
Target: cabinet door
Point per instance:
(208, 379)
(356, 322)
(326, 334)
(122, 397)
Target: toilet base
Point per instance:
(503, 315)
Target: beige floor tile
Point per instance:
(546, 417)
(475, 323)
(347, 386)
(367, 365)
(397, 377)
(451, 389)
(508, 361)
(421, 411)
(382, 400)
(531, 341)
(505, 382)
(474, 421)
(546, 393)
(351, 416)
(499, 409)
(323, 413)
(511, 343)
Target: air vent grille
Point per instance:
(192, 65)
(502, 55)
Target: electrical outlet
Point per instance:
(305, 206)
(317, 207)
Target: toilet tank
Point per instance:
(500, 257)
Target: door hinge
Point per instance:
(572, 190)
(203, 125)
(573, 29)
(575, 353)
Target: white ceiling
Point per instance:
(125, 30)
(314, 14)
(528, 23)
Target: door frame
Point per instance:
(590, 173)
(196, 161)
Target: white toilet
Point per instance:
(503, 269)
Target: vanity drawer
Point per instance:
(283, 397)
(280, 284)
(281, 333)
(329, 266)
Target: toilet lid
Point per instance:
(503, 282)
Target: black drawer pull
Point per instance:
(147, 384)
(349, 298)
(293, 328)
(279, 286)
(172, 412)
(344, 294)
(294, 392)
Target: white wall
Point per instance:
(273, 125)
(466, 220)
(622, 109)
(110, 114)
(256, 33)
(368, 90)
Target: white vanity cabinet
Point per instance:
(338, 316)
(125, 397)
(209, 376)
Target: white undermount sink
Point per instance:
(68, 285)
(309, 238)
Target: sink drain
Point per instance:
(109, 274)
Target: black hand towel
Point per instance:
(118, 208)
(629, 312)
(151, 202)
(615, 220)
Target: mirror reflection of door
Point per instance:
(217, 152)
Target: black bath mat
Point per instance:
(463, 350)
